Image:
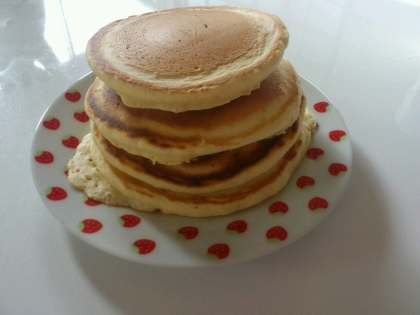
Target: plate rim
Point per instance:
(90, 77)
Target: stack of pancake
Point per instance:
(194, 111)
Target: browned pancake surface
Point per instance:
(206, 173)
(90, 171)
(162, 43)
(267, 111)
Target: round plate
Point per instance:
(169, 240)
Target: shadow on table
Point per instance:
(333, 269)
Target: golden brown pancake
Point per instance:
(189, 58)
(168, 138)
(89, 171)
(208, 173)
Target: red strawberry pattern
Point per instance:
(73, 96)
(321, 107)
(276, 233)
(279, 207)
(55, 193)
(314, 153)
(305, 181)
(188, 232)
(51, 123)
(66, 170)
(44, 157)
(81, 116)
(144, 246)
(129, 220)
(89, 226)
(238, 226)
(89, 201)
(70, 141)
(337, 135)
(218, 251)
(337, 168)
(317, 203)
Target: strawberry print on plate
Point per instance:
(155, 239)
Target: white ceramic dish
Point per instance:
(157, 239)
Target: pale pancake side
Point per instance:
(169, 138)
(84, 175)
(144, 197)
(208, 173)
(189, 58)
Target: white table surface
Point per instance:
(364, 258)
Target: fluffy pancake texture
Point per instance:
(208, 173)
(189, 58)
(194, 112)
(145, 197)
(83, 174)
(168, 138)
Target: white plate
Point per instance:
(256, 225)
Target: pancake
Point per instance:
(88, 170)
(83, 174)
(189, 58)
(208, 173)
(168, 138)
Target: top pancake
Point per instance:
(189, 58)
(168, 138)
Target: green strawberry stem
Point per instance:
(277, 214)
(48, 190)
(232, 232)
(212, 257)
(135, 249)
(179, 236)
(39, 152)
(319, 210)
(80, 225)
(273, 241)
